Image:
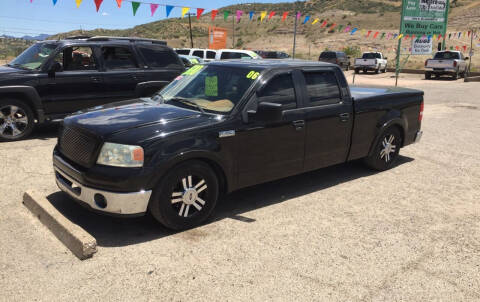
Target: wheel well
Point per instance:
(21, 97)
(402, 132)
(222, 179)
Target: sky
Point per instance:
(20, 17)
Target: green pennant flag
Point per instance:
(225, 14)
(135, 6)
(340, 28)
(383, 35)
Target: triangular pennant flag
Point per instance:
(332, 27)
(457, 48)
(464, 48)
(135, 6)
(395, 36)
(434, 37)
(407, 37)
(382, 36)
(119, 3)
(76, 1)
(185, 10)
(199, 12)
(315, 21)
(250, 14)
(459, 34)
(347, 29)
(169, 8)
(153, 8)
(54, 2)
(214, 13)
(369, 32)
(284, 16)
(239, 15)
(323, 24)
(449, 36)
(439, 37)
(225, 15)
(362, 32)
(413, 37)
(340, 28)
(299, 14)
(271, 15)
(375, 35)
(306, 19)
(98, 3)
(353, 31)
(262, 15)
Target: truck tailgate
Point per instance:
(440, 64)
(365, 62)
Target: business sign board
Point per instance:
(217, 37)
(422, 46)
(424, 17)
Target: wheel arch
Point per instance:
(392, 119)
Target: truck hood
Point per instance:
(138, 116)
(5, 70)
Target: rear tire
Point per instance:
(386, 151)
(348, 67)
(357, 71)
(428, 75)
(186, 196)
(377, 70)
(455, 76)
(16, 120)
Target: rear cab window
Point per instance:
(211, 54)
(328, 55)
(183, 51)
(118, 57)
(446, 55)
(198, 53)
(158, 57)
(322, 88)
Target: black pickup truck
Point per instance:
(54, 78)
(224, 126)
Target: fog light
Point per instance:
(100, 201)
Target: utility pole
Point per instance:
(471, 52)
(233, 37)
(190, 26)
(294, 37)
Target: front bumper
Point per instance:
(132, 203)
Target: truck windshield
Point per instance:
(211, 88)
(34, 56)
(447, 55)
(371, 55)
(328, 55)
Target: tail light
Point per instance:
(454, 63)
(420, 114)
(426, 63)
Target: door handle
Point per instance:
(95, 79)
(344, 117)
(299, 125)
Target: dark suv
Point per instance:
(52, 79)
(336, 57)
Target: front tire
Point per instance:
(16, 120)
(186, 196)
(386, 151)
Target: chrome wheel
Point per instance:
(187, 197)
(13, 121)
(388, 148)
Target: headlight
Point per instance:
(120, 155)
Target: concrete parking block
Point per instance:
(82, 244)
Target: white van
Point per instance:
(206, 54)
(226, 54)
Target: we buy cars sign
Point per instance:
(424, 17)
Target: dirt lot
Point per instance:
(339, 234)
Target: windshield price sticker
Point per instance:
(195, 69)
(211, 86)
(253, 75)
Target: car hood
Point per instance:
(137, 119)
(5, 70)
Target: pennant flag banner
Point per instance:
(169, 9)
(214, 13)
(382, 36)
(199, 12)
(284, 16)
(119, 3)
(299, 15)
(306, 19)
(332, 27)
(369, 32)
(315, 21)
(262, 16)
(135, 6)
(353, 30)
(375, 35)
(271, 15)
(347, 29)
(54, 2)
(225, 15)
(323, 24)
(251, 14)
(153, 8)
(340, 28)
(185, 10)
(77, 1)
(239, 15)
(98, 3)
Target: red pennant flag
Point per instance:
(98, 3)
(413, 37)
(332, 27)
(323, 24)
(214, 13)
(119, 3)
(407, 37)
(199, 12)
(271, 15)
(375, 35)
(457, 48)
(369, 32)
(439, 37)
(469, 34)
(284, 16)
(464, 48)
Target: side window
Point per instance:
(229, 55)
(118, 58)
(244, 55)
(198, 53)
(211, 54)
(76, 58)
(158, 57)
(322, 88)
(280, 90)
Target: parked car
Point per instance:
(189, 61)
(54, 78)
(206, 54)
(371, 61)
(228, 54)
(335, 57)
(224, 126)
(451, 63)
(272, 54)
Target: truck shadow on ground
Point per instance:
(116, 232)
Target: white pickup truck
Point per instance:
(371, 61)
(451, 63)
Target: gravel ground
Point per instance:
(339, 234)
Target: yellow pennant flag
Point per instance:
(315, 21)
(362, 32)
(185, 10)
(400, 36)
(434, 37)
(262, 15)
(78, 3)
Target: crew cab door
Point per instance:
(73, 81)
(328, 118)
(268, 151)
